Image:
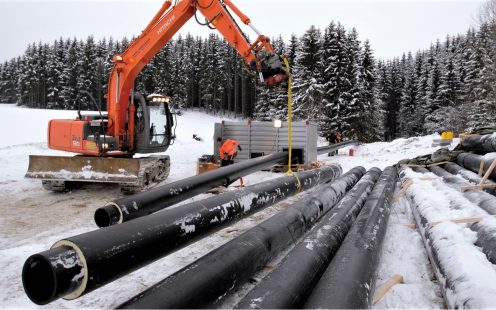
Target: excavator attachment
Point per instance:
(132, 174)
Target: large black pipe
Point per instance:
(479, 144)
(349, 280)
(469, 175)
(335, 147)
(204, 282)
(158, 198)
(449, 283)
(486, 236)
(484, 200)
(472, 162)
(111, 252)
(288, 286)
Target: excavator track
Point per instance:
(153, 170)
(61, 174)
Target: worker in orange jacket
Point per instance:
(227, 152)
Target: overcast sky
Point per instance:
(393, 27)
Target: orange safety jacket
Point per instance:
(228, 148)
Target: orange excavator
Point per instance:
(107, 142)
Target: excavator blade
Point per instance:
(132, 174)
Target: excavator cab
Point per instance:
(153, 124)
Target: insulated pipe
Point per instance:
(472, 162)
(204, 282)
(349, 280)
(158, 198)
(109, 253)
(448, 283)
(469, 175)
(486, 237)
(335, 147)
(480, 144)
(479, 197)
(288, 286)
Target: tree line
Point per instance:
(337, 81)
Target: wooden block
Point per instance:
(379, 294)
(405, 186)
(412, 226)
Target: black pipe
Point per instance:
(484, 200)
(204, 282)
(349, 280)
(335, 147)
(472, 162)
(58, 267)
(288, 286)
(448, 283)
(114, 251)
(469, 175)
(486, 237)
(158, 198)
(479, 144)
(486, 240)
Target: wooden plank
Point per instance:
(460, 221)
(456, 221)
(412, 166)
(482, 186)
(488, 172)
(481, 168)
(437, 164)
(379, 294)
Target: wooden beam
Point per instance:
(481, 168)
(459, 221)
(456, 221)
(482, 186)
(437, 164)
(488, 172)
(379, 294)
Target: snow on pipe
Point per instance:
(449, 251)
(158, 198)
(107, 254)
(349, 280)
(288, 286)
(479, 144)
(472, 162)
(486, 235)
(469, 175)
(479, 197)
(204, 282)
(335, 147)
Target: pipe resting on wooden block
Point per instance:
(204, 282)
(112, 252)
(290, 283)
(349, 280)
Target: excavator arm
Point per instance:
(259, 55)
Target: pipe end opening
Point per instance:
(39, 280)
(106, 216)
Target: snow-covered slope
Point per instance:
(33, 219)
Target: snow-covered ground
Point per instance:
(32, 219)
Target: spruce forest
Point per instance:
(337, 80)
